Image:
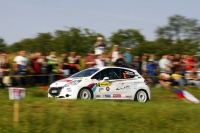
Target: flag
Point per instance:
(186, 95)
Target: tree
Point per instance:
(179, 28)
(127, 38)
(2, 45)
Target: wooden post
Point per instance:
(16, 112)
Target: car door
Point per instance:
(104, 86)
(125, 84)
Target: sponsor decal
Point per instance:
(107, 88)
(98, 95)
(64, 80)
(107, 96)
(100, 89)
(128, 87)
(116, 95)
(69, 90)
(134, 86)
(128, 96)
(122, 86)
(93, 87)
(103, 84)
(129, 73)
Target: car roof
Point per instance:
(101, 68)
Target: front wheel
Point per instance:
(141, 96)
(85, 94)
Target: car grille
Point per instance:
(55, 91)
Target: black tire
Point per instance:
(85, 93)
(141, 96)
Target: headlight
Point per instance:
(74, 82)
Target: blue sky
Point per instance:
(22, 19)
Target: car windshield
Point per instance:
(85, 73)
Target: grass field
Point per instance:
(164, 113)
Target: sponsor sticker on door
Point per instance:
(116, 95)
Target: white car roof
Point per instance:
(101, 68)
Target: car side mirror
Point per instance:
(105, 78)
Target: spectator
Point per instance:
(52, 62)
(151, 70)
(165, 64)
(144, 63)
(176, 62)
(43, 69)
(146, 54)
(155, 61)
(177, 78)
(4, 68)
(193, 77)
(136, 64)
(78, 63)
(90, 60)
(196, 62)
(35, 67)
(20, 67)
(189, 63)
(105, 59)
(114, 53)
(128, 56)
(73, 63)
(99, 62)
(120, 62)
(165, 79)
(64, 65)
(184, 58)
(99, 46)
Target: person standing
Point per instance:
(52, 62)
(165, 64)
(64, 65)
(43, 69)
(128, 56)
(99, 46)
(99, 62)
(73, 63)
(151, 70)
(35, 67)
(4, 69)
(136, 64)
(90, 59)
(20, 67)
(114, 53)
(120, 62)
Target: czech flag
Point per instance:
(186, 95)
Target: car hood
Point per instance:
(63, 82)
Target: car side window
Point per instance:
(110, 73)
(97, 76)
(127, 74)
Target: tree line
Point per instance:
(180, 35)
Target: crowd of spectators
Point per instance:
(42, 69)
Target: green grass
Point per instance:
(164, 113)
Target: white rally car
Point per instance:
(102, 83)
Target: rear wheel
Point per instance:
(141, 96)
(85, 94)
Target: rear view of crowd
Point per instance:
(43, 69)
